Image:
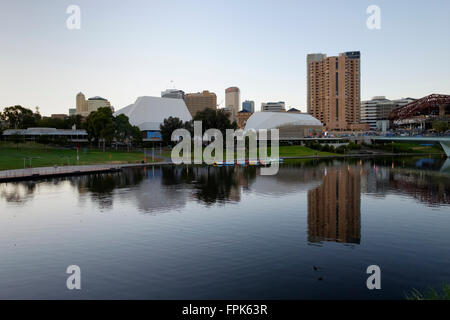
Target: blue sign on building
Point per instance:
(154, 135)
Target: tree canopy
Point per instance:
(215, 119)
(101, 125)
(18, 117)
(440, 126)
(168, 126)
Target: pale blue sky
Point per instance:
(127, 49)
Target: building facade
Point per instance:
(289, 125)
(196, 102)
(85, 107)
(81, 104)
(232, 102)
(173, 93)
(242, 117)
(378, 108)
(248, 106)
(334, 89)
(273, 106)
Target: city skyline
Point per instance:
(142, 48)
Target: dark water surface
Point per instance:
(218, 233)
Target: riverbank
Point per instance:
(26, 155)
(53, 172)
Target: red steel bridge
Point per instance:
(437, 105)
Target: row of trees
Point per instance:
(211, 119)
(18, 117)
(103, 127)
(100, 125)
(440, 126)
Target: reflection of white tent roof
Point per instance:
(272, 120)
(149, 112)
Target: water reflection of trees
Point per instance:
(172, 186)
(17, 192)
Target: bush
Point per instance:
(341, 149)
(353, 146)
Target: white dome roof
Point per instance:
(272, 120)
(149, 112)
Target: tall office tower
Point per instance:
(232, 102)
(81, 104)
(196, 102)
(173, 93)
(334, 90)
(248, 106)
(273, 106)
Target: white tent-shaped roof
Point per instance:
(149, 112)
(272, 120)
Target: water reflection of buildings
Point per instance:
(423, 180)
(333, 202)
(334, 208)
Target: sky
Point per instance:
(127, 49)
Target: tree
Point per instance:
(168, 126)
(440, 126)
(136, 135)
(76, 120)
(48, 122)
(215, 119)
(18, 117)
(100, 125)
(125, 132)
(122, 128)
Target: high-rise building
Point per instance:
(334, 89)
(376, 109)
(273, 106)
(232, 102)
(379, 108)
(85, 107)
(248, 106)
(81, 104)
(196, 102)
(173, 93)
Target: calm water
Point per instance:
(219, 233)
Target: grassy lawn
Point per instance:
(284, 151)
(407, 147)
(12, 158)
(301, 151)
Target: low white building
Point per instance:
(148, 113)
(290, 125)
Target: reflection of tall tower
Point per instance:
(334, 208)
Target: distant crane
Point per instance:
(218, 105)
